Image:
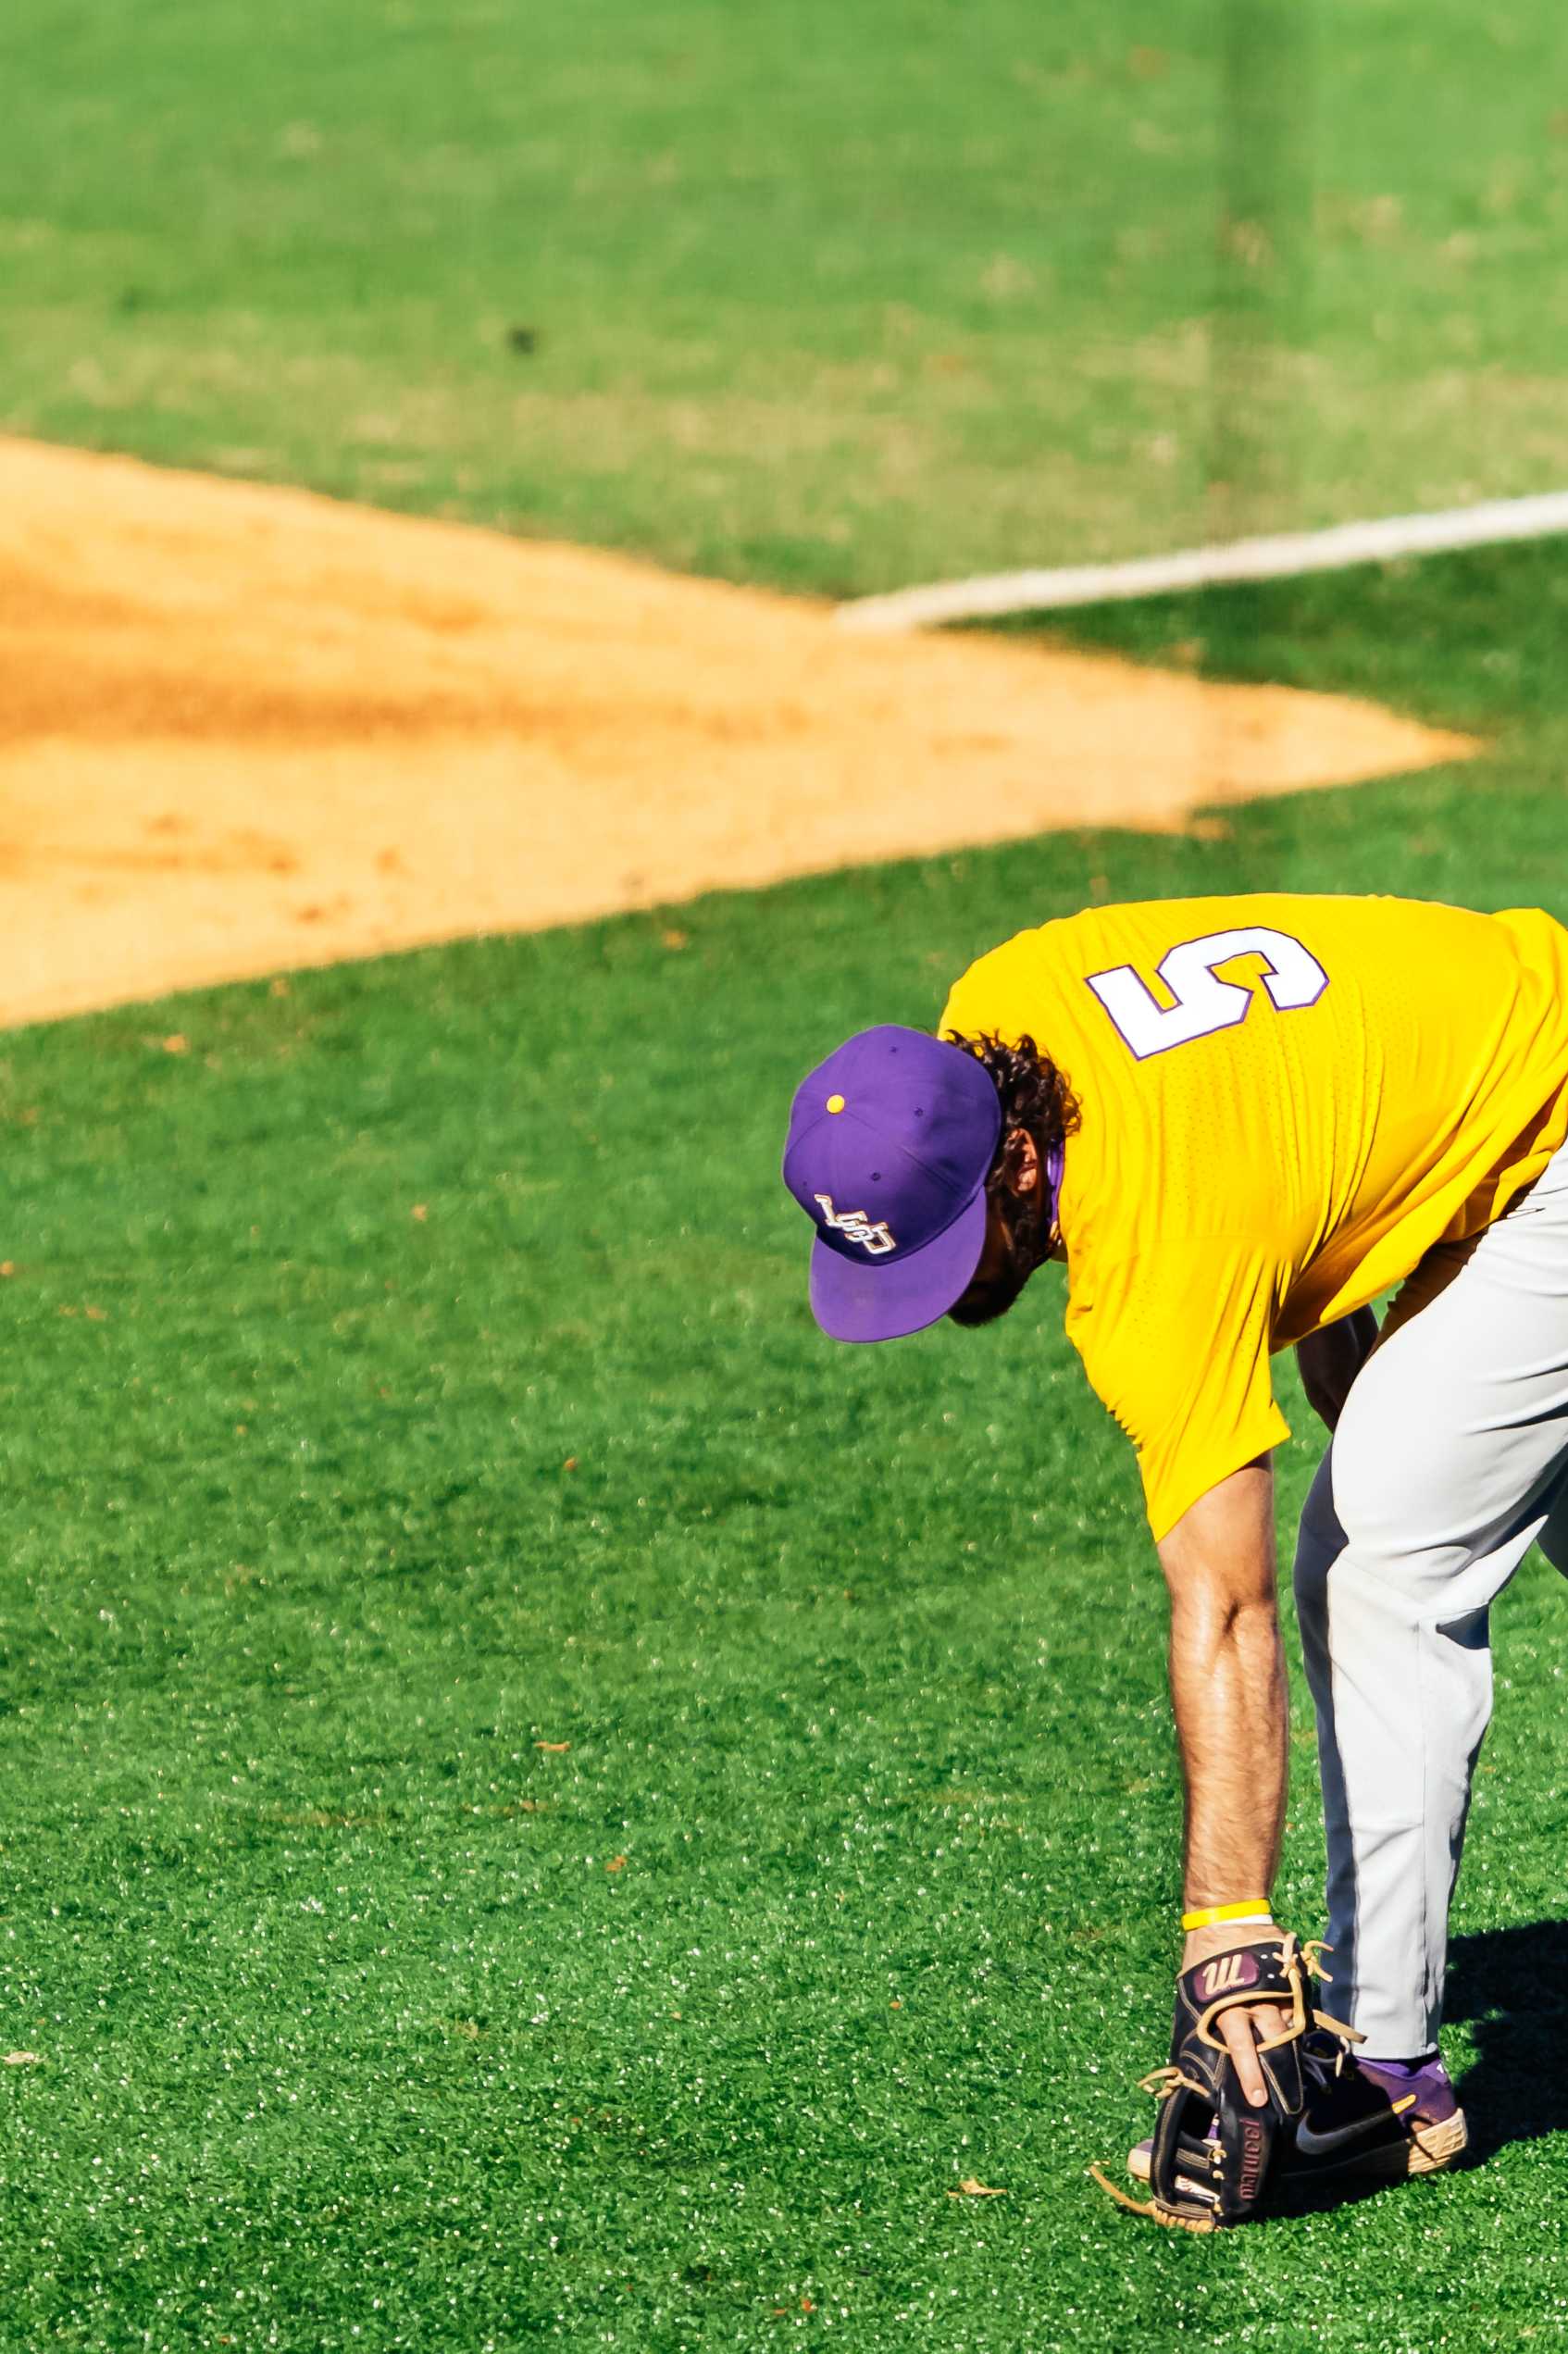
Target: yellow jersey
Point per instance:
(1285, 1103)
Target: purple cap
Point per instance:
(890, 1140)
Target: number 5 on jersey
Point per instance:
(1204, 1003)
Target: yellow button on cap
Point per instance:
(835, 1103)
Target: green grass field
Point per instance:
(418, 1371)
(541, 1802)
(834, 295)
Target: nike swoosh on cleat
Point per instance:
(1312, 2144)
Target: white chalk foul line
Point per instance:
(1276, 558)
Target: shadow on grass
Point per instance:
(1511, 1987)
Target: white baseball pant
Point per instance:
(1450, 1460)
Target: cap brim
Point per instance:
(887, 1299)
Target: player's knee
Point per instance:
(1355, 1542)
(1391, 1502)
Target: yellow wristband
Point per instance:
(1209, 1916)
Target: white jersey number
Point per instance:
(1204, 1003)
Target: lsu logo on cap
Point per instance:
(857, 1227)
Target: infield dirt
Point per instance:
(245, 729)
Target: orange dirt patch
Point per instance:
(243, 729)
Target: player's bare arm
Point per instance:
(1228, 1692)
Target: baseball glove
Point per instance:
(1213, 2153)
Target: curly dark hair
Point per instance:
(1037, 1098)
(1035, 1094)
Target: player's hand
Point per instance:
(1240, 2029)
(1241, 2032)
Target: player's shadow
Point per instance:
(1509, 1986)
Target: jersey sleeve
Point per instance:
(1177, 1345)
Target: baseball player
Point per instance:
(1239, 1122)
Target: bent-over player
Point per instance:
(1237, 1122)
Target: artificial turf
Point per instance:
(837, 293)
(545, 1802)
(541, 1802)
